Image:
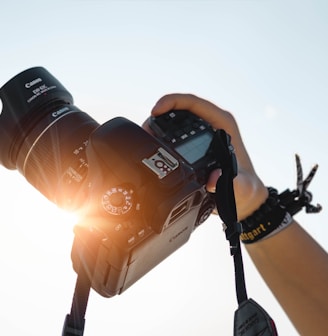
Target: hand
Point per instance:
(250, 192)
(299, 282)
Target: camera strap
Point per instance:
(250, 318)
(74, 322)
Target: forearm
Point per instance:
(295, 268)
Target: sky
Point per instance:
(263, 60)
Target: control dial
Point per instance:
(117, 201)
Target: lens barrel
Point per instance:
(44, 136)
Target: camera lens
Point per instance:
(44, 136)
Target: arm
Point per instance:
(291, 262)
(295, 268)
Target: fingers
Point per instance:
(214, 115)
(211, 182)
(217, 117)
(249, 190)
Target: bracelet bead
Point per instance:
(268, 220)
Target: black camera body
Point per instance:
(143, 205)
(139, 196)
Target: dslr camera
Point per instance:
(139, 196)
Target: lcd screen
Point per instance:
(195, 148)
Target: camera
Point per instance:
(139, 196)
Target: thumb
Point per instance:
(211, 182)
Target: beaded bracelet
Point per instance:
(271, 215)
(276, 213)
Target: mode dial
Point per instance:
(117, 201)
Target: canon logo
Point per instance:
(35, 81)
(59, 112)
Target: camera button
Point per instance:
(159, 164)
(118, 227)
(131, 239)
(141, 233)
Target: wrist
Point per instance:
(249, 202)
(270, 218)
(275, 213)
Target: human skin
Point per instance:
(292, 263)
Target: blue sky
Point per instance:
(264, 60)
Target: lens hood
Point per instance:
(24, 102)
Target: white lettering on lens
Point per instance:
(35, 81)
(59, 112)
